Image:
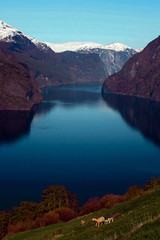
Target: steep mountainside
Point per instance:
(17, 89)
(113, 60)
(112, 55)
(48, 67)
(138, 213)
(86, 68)
(140, 76)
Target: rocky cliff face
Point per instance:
(113, 60)
(17, 89)
(140, 76)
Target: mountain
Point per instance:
(48, 67)
(113, 55)
(17, 88)
(140, 76)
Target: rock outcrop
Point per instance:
(17, 88)
(140, 76)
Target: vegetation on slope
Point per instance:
(139, 221)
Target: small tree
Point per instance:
(153, 182)
(133, 192)
(26, 211)
(56, 197)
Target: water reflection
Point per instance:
(141, 114)
(44, 108)
(14, 125)
(71, 95)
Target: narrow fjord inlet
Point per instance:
(77, 138)
(79, 120)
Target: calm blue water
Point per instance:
(76, 138)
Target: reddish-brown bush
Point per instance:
(51, 217)
(92, 205)
(65, 214)
(39, 222)
(16, 228)
(110, 200)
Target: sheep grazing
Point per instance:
(82, 222)
(98, 221)
(109, 220)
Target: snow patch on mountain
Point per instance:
(138, 49)
(79, 46)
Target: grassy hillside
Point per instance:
(140, 220)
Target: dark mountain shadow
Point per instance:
(139, 113)
(16, 124)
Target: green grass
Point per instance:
(141, 216)
(150, 231)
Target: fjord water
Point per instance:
(91, 145)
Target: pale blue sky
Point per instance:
(132, 22)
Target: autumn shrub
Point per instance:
(51, 217)
(153, 183)
(39, 222)
(92, 205)
(65, 214)
(4, 221)
(110, 200)
(16, 228)
(133, 192)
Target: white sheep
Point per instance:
(109, 220)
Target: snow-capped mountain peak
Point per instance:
(117, 47)
(78, 46)
(7, 30)
(8, 33)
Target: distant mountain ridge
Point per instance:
(79, 46)
(48, 67)
(113, 55)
